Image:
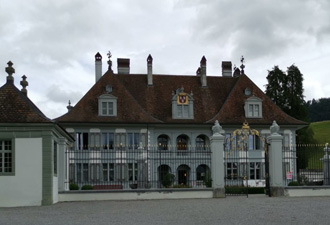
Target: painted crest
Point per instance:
(182, 99)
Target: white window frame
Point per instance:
(253, 103)
(107, 98)
(5, 151)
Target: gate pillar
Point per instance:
(275, 162)
(217, 162)
(63, 166)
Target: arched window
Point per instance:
(202, 142)
(163, 141)
(183, 174)
(203, 176)
(182, 142)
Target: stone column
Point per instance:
(63, 166)
(326, 165)
(275, 162)
(142, 177)
(217, 161)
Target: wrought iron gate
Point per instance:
(246, 162)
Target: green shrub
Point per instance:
(243, 190)
(168, 180)
(87, 187)
(73, 186)
(294, 183)
(208, 180)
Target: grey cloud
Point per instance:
(257, 28)
(56, 94)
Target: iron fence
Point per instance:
(244, 169)
(141, 168)
(303, 165)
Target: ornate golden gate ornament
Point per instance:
(243, 134)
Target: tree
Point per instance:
(275, 88)
(295, 104)
(318, 110)
(286, 91)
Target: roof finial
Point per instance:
(109, 61)
(10, 70)
(69, 107)
(242, 66)
(24, 84)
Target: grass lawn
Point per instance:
(321, 131)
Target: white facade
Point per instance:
(25, 187)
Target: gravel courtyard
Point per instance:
(256, 209)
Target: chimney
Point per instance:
(98, 66)
(10, 70)
(226, 69)
(123, 66)
(149, 65)
(203, 72)
(24, 84)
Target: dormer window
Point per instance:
(182, 105)
(107, 105)
(253, 107)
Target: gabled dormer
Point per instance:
(182, 105)
(253, 107)
(107, 103)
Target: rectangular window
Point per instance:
(104, 108)
(95, 141)
(132, 171)
(82, 142)
(254, 142)
(108, 140)
(95, 172)
(111, 171)
(133, 140)
(110, 108)
(105, 172)
(254, 110)
(107, 108)
(232, 171)
(6, 157)
(120, 172)
(251, 110)
(255, 171)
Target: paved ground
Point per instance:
(231, 210)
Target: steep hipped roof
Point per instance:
(232, 111)
(15, 107)
(223, 99)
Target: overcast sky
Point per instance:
(54, 42)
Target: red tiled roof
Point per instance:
(232, 111)
(15, 107)
(223, 99)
